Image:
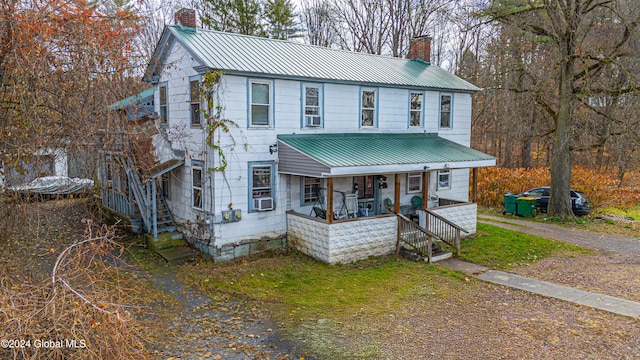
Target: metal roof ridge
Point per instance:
(345, 135)
(289, 42)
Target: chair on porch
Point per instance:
(388, 204)
(416, 201)
(416, 204)
(320, 212)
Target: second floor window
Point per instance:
(260, 104)
(312, 115)
(194, 92)
(445, 110)
(164, 115)
(368, 108)
(415, 111)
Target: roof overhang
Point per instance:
(165, 167)
(335, 155)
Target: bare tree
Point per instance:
(365, 24)
(319, 20)
(567, 26)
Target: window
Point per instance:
(414, 182)
(312, 114)
(261, 186)
(194, 92)
(368, 108)
(196, 175)
(445, 111)
(164, 115)
(260, 99)
(415, 111)
(310, 190)
(444, 179)
(165, 186)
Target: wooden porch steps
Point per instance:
(177, 254)
(440, 256)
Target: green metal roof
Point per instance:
(131, 100)
(235, 53)
(393, 152)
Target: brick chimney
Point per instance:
(186, 18)
(420, 48)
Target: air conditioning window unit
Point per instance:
(313, 120)
(263, 204)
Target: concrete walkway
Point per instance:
(581, 297)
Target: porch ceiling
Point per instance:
(329, 155)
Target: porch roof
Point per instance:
(329, 155)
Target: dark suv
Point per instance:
(579, 203)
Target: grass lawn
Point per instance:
(632, 211)
(499, 248)
(302, 293)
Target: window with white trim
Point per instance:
(164, 107)
(312, 110)
(194, 100)
(367, 107)
(444, 179)
(261, 186)
(196, 187)
(445, 110)
(260, 103)
(310, 190)
(415, 109)
(414, 182)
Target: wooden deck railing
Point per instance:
(416, 236)
(446, 230)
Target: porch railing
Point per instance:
(416, 236)
(141, 198)
(446, 230)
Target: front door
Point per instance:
(368, 194)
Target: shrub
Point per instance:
(602, 189)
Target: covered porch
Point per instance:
(370, 191)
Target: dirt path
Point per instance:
(196, 326)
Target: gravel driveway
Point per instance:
(613, 243)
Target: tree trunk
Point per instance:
(559, 197)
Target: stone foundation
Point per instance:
(232, 251)
(342, 241)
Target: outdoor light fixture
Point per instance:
(273, 148)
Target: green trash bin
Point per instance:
(510, 204)
(526, 206)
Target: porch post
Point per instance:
(396, 209)
(154, 207)
(396, 194)
(425, 189)
(474, 185)
(329, 200)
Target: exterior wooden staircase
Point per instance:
(156, 218)
(428, 243)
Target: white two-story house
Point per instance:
(323, 148)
